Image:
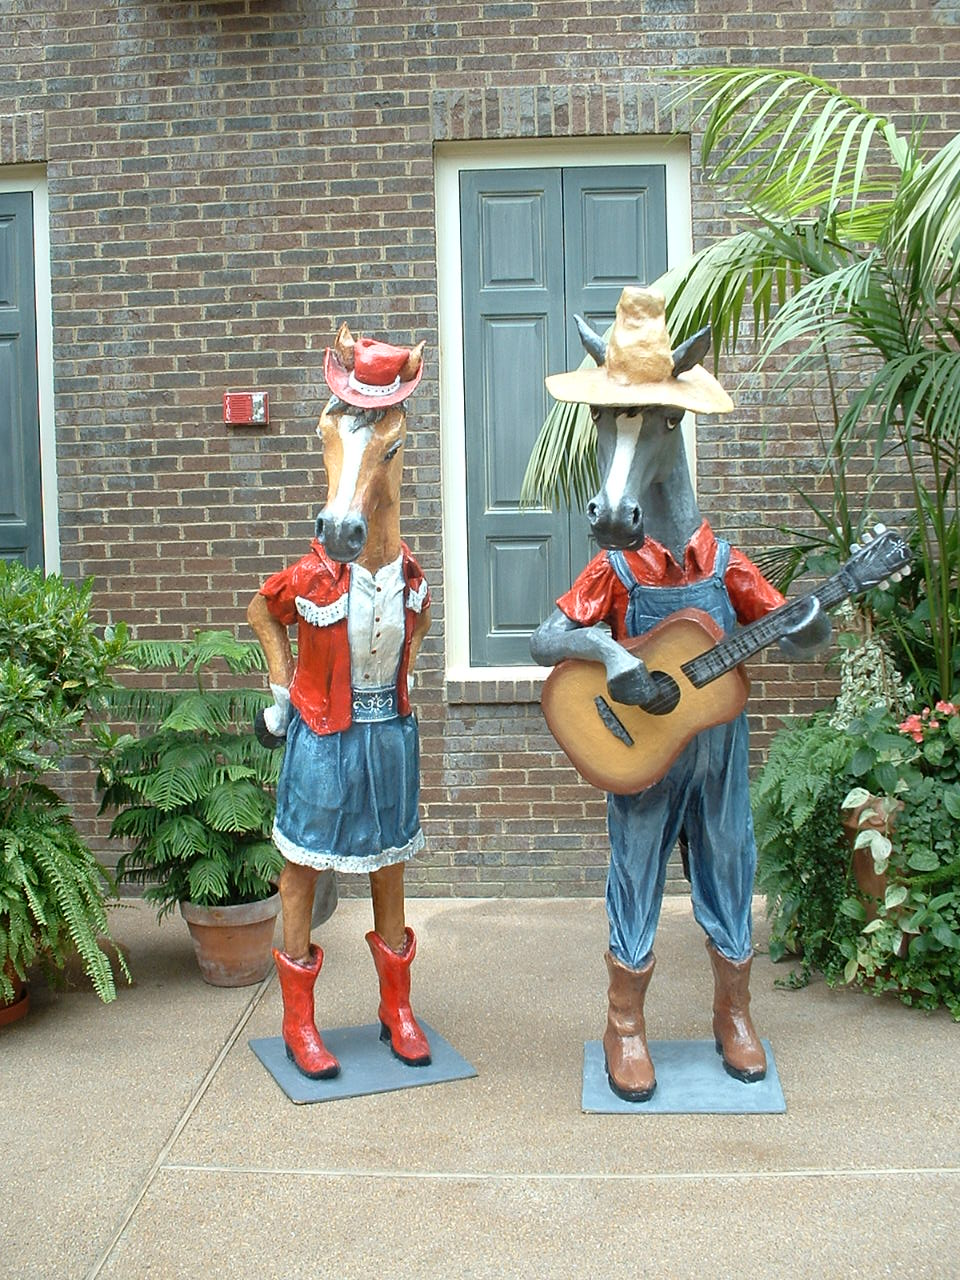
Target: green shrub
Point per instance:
(54, 670)
(194, 790)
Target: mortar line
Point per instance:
(179, 1127)
(749, 1175)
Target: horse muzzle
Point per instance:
(342, 538)
(618, 528)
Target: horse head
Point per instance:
(363, 459)
(363, 453)
(640, 454)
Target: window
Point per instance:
(535, 246)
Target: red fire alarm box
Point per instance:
(246, 408)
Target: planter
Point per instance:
(20, 1003)
(233, 943)
(872, 887)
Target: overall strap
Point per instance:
(722, 559)
(618, 563)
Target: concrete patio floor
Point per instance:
(144, 1139)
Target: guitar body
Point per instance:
(603, 756)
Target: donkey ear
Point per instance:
(692, 351)
(413, 362)
(343, 345)
(592, 341)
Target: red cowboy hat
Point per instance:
(371, 374)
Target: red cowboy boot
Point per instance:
(397, 1023)
(625, 1054)
(304, 1047)
(733, 1030)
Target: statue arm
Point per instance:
(559, 637)
(270, 725)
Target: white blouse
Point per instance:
(375, 624)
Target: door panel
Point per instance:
(513, 323)
(537, 247)
(21, 536)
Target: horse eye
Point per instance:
(393, 451)
(594, 413)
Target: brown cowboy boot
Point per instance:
(301, 1038)
(397, 1023)
(733, 1030)
(625, 1054)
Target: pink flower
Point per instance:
(913, 726)
(946, 708)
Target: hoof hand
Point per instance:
(266, 739)
(633, 687)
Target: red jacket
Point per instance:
(321, 688)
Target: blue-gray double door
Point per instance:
(538, 247)
(21, 527)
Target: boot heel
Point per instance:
(384, 1032)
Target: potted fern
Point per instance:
(193, 791)
(54, 669)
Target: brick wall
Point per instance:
(228, 180)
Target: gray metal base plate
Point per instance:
(690, 1079)
(366, 1065)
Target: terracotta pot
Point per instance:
(20, 1003)
(233, 943)
(873, 887)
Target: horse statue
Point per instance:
(659, 558)
(348, 794)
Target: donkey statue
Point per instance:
(660, 556)
(348, 795)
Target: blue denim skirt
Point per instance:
(350, 800)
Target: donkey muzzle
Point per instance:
(343, 538)
(616, 528)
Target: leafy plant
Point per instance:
(844, 260)
(902, 780)
(193, 789)
(54, 670)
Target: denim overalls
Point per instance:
(706, 792)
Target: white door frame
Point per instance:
(526, 153)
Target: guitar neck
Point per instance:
(748, 640)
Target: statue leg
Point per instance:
(723, 858)
(393, 947)
(298, 967)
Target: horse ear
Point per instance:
(414, 360)
(593, 343)
(343, 345)
(692, 351)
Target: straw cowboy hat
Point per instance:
(638, 366)
(371, 374)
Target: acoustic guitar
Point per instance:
(624, 749)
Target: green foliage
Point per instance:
(903, 779)
(193, 789)
(54, 670)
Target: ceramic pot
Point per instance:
(872, 887)
(233, 943)
(20, 1003)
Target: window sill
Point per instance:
(477, 685)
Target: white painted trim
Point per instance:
(33, 178)
(451, 158)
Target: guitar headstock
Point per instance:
(882, 557)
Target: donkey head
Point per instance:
(638, 450)
(363, 459)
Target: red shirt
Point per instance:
(321, 686)
(598, 595)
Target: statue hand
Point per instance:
(809, 634)
(270, 724)
(632, 685)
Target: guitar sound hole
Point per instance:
(667, 697)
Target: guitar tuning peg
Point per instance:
(866, 536)
(855, 547)
(884, 585)
(896, 577)
(905, 571)
(879, 528)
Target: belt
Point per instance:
(378, 703)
